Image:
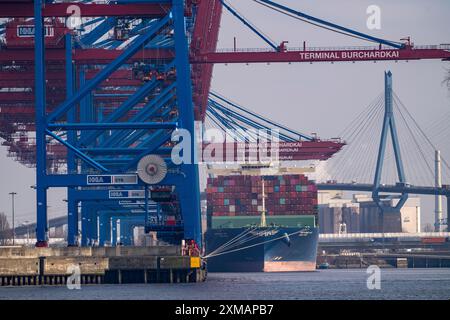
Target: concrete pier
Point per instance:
(54, 266)
(387, 260)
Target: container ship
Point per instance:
(261, 223)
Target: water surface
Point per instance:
(324, 284)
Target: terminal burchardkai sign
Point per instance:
(350, 55)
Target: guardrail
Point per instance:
(346, 48)
(384, 235)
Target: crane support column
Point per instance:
(86, 221)
(93, 227)
(114, 231)
(189, 190)
(72, 205)
(126, 231)
(105, 229)
(40, 104)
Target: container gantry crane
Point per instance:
(382, 50)
(118, 86)
(86, 104)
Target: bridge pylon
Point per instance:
(390, 212)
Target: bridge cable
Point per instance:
(355, 137)
(340, 157)
(420, 129)
(363, 159)
(360, 116)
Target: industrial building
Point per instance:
(361, 214)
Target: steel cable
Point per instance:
(337, 161)
(316, 24)
(420, 129)
(355, 139)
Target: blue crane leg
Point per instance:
(72, 205)
(85, 222)
(105, 229)
(190, 190)
(93, 226)
(125, 233)
(41, 166)
(114, 231)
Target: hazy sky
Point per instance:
(321, 97)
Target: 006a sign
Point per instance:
(126, 194)
(27, 31)
(112, 179)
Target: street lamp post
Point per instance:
(13, 194)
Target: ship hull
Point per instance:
(284, 249)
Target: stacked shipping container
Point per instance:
(241, 195)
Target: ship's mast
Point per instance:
(263, 213)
